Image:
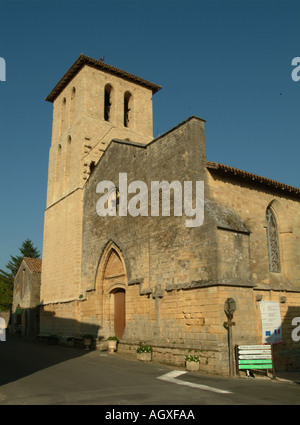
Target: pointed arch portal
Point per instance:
(113, 284)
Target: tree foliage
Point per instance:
(7, 276)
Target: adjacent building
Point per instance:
(26, 298)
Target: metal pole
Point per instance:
(230, 349)
(230, 307)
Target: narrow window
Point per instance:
(68, 161)
(92, 166)
(273, 246)
(63, 116)
(127, 109)
(72, 106)
(107, 102)
(58, 171)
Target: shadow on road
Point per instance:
(20, 357)
(287, 353)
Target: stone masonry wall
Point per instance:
(80, 135)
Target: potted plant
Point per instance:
(87, 341)
(52, 339)
(70, 341)
(144, 353)
(112, 343)
(192, 363)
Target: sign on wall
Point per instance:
(271, 322)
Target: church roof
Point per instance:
(235, 172)
(98, 64)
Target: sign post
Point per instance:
(255, 357)
(229, 308)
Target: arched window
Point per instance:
(107, 102)
(273, 245)
(128, 112)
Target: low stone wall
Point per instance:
(286, 360)
(210, 361)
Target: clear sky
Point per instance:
(228, 62)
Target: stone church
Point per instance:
(151, 278)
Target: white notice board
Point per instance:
(271, 322)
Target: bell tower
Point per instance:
(93, 103)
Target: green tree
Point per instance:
(7, 277)
(6, 291)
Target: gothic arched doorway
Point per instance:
(113, 284)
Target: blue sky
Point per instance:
(228, 62)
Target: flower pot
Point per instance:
(192, 366)
(112, 346)
(144, 357)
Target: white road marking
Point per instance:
(171, 377)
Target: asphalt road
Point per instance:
(41, 374)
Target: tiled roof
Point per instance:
(284, 188)
(34, 264)
(86, 60)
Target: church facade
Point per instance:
(152, 277)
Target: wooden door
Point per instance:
(119, 312)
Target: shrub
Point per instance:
(144, 349)
(191, 358)
(113, 338)
(88, 336)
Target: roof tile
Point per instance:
(35, 264)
